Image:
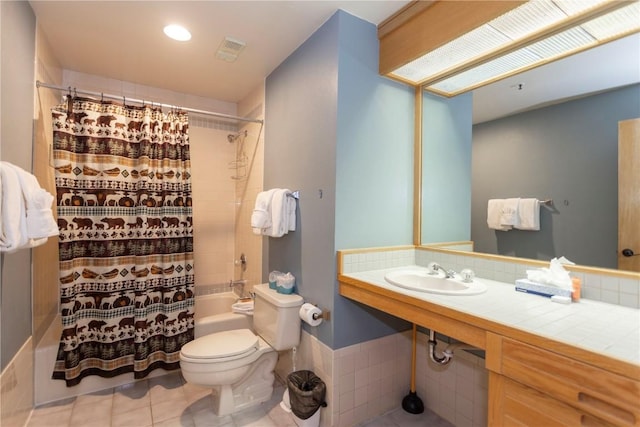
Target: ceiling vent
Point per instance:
(230, 49)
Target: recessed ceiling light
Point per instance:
(177, 32)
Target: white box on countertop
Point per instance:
(526, 285)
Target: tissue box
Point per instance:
(525, 285)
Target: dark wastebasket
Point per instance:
(306, 393)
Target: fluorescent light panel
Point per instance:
(511, 27)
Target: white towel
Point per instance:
(243, 308)
(40, 221)
(509, 215)
(528, 215)
(280, 213)
(494, 212)
(13, 211)
(27, 219)
(261, 215)
(291, 207)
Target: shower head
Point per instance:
(233, 137)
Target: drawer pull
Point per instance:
(589, 421)
(606, 409)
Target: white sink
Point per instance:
(419, 279)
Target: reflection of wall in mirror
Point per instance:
(446, 168)
(566, 152)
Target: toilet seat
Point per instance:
(221, 346)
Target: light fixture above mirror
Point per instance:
(530, 34)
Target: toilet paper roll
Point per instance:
(307, 312)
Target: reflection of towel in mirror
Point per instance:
(494, 213)
(528, 215)
(509, 215)
(26, 217)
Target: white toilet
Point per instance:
(238, 364)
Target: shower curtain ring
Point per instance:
(75, 93)
(101, 97)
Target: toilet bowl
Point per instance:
(231, 362)
(238, 365)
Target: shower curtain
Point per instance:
(126, 238)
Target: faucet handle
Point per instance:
(467, 275)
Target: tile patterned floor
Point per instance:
(168, 401)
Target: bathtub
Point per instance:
(48, 390)
(213, 314)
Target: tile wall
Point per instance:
(45, 294)
(368, 379)
(247, 189)
(213, 205)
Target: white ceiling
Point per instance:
(123, 40)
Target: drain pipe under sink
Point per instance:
(447, 353)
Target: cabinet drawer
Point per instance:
(608, 396)
(524, 406)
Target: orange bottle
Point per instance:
(577, 284)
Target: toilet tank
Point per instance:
(276, 318)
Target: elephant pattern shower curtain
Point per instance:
(126, 238)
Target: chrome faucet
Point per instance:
(238, 283)
(434, 267)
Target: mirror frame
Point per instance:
(441, 247)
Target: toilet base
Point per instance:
(255, 388)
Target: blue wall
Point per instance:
(446, 168)
(374, 205)
(331, 122)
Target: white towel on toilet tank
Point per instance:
(528, 215)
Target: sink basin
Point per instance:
(418, 279)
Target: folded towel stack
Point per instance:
(274, 214)
(26, 219)
(243, 308)
(506, 214)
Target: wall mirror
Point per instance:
(599, 70)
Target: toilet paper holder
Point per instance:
(325, 315)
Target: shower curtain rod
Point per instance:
(141, 101)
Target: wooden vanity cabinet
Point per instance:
(530, 386)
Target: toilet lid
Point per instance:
(222, 344)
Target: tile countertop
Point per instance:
(607, 329)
